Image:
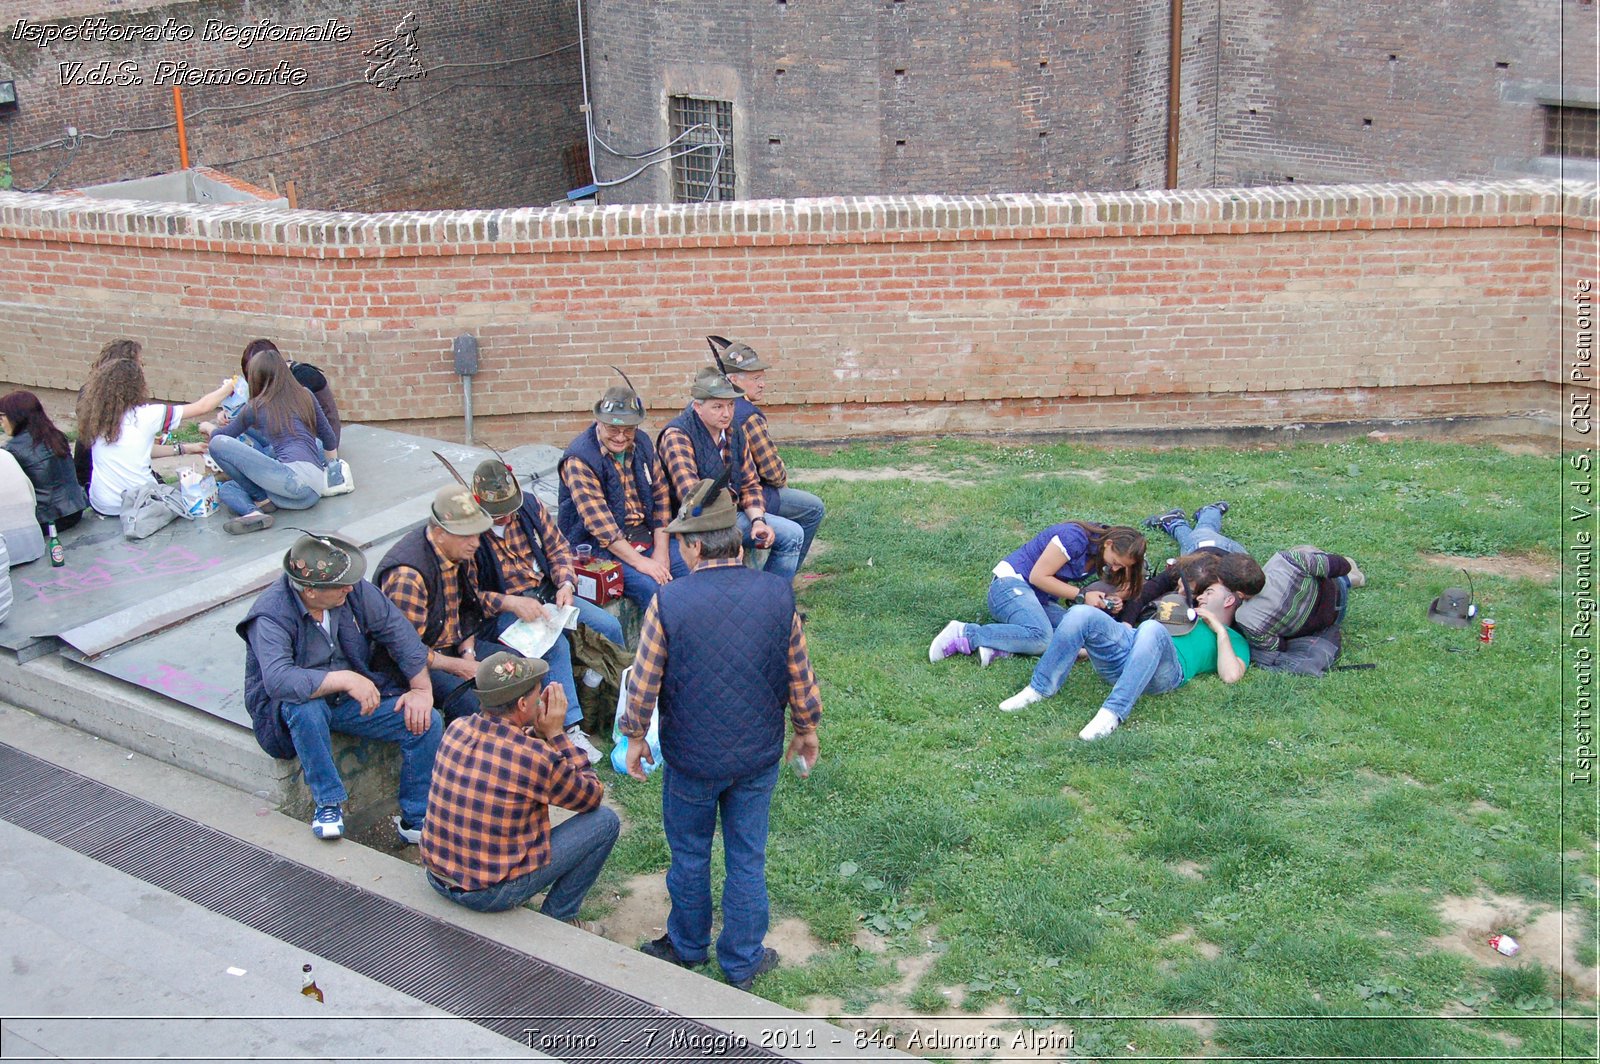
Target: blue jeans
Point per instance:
(253, 476)
(1207, 532)
(579, 847)
(639, 588)
(805, 510)
(1343, 583)
(689, 807)
(559, 656)
(784, 559)
(1134, 661)
(1025, 622)
(311, 724)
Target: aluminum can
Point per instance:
(1504, 944)
(1486, 630)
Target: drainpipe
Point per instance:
(1174, 77)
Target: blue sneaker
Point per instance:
(328, 823)
(409, 836)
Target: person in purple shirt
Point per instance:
(1034, 584)
(296, 474)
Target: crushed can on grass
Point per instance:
(1504, 944)
(1486, 630)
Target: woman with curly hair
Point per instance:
(43, 452)
(1028, 582)
(116, 415)
(295, 475)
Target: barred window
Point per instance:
(1572, 131)
(704, 170)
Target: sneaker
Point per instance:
(1022, 700)
(1104, 723)
(662, 949)
(1161, 521)
(243, 526)
(409, 836)
(950, 641)
(584, 743)
(989, 655)
(590, 926)
(1221, 507)
(769, 961)
(328, 823)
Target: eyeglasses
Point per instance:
(621, 406)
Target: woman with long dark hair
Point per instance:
(295, 475)
(309, 376)
(120, 422)
(42, 451)
(1034, 584)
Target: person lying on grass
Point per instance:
(1182, 642)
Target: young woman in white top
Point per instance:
(115, 413)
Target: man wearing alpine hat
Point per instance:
(721, 653)
(703, 443)
(614, 496)
(326, 652)
(489, 845)
(523, 565)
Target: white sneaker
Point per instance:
(950, 641)
(584, 743)
(988, 656)
(1105, 722)
(1021, 700)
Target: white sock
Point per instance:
(1104, 723)
(1021, 700)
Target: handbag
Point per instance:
(341, 481)
(149, 508)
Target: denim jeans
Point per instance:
(311, 724)
(1343, 583)
(784, 559)
(559, 656)
(1025, 623)
(579, 847)
(639, 588)
(1134, 661)
(805, 510)
(689, 807)
(1207, 532)
(253, 476)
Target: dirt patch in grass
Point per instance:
(639, 911)
(1188, 870)
(1537, 567)
(1208, 950)
(1472, 920)
(919, 473)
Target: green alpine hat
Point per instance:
(735, 357)
(324, 561)
(504, 677)
(712, 383)
(708, 507)
(496, 488)
(457, 512)
(620, 405)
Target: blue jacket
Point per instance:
(586, 449)
(287, 655)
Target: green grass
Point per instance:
(1273, 850)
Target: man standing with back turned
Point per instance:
(723, 651)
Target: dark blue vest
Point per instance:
(489, 576)
(707, 455)
(413, 551)
(586, 449)
(743, 411)
(726, 686)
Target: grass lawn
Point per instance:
(1238, 870)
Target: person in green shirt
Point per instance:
(1161, 654)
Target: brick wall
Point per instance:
(487, 127)
(921, 315)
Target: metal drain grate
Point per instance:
(462, 973)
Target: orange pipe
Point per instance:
(183, 134)
(1174, 81)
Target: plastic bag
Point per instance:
(619, 742)
(341, 481)
(199, 493)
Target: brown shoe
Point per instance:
(267, 506)
(243, 526)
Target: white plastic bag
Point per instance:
(619, 742)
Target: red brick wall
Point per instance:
(924, 315)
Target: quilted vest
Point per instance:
(413, 551)
(586, 449)
(489, 576)
(727, 680)
(744, 411)
(707, 455)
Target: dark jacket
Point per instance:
(56, 490)
(727, 681)
(586, 449)
(413, 551)
(287, 654)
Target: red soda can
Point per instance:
(1504, 944)
(1486, 631)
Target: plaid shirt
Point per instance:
(763, 453)
(650, 665)
(518, 569)
(595, 513)
(676, 451)
(1285, 604)
(406, 590)
(488, 812)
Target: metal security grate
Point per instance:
(705, 172)
(455, 970)
(1572, 131)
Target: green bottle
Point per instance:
(58, 553)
